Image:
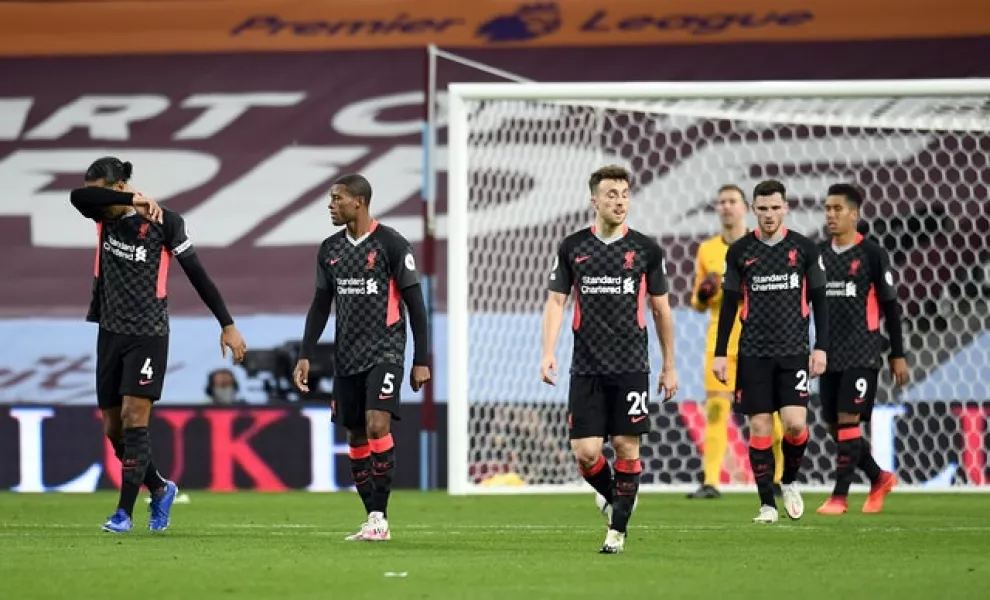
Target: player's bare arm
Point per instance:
(663, 321)
(553, 317)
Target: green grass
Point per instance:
(289, 546)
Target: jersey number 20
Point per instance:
(637, 403)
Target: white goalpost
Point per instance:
(519, 155)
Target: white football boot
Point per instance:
(768, 514)
(793, 502)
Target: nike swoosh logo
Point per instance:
(750, 261)
(144, 381)
(581, 259)
(384, 397)
(334, 261)
(859, 400)
(637, 419)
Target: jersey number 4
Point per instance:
(146, 370)
(637, 403)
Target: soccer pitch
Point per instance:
(288, 546)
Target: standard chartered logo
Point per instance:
(125, 251)
(357, 286)
(775, 283)
(592, 285)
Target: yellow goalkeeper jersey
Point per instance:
(711, 259)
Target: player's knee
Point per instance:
(357, 437)
(587, 452)
(135, 413)
(626, 447)
(717, 410)
(378, 424)
(848, 419)
(761, 425)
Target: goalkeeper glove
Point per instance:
(708, 288)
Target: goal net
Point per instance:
(519, 159)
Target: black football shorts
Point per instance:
(765, 385)
(375, 389)
(607, 405)
(851, 391)
(129, 365)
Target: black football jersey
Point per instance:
(859, 281)
(610, 280)
(130, 273)
(774, 279)
(366, 277)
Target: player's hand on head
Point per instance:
(817, 363)
(720, 369)
(147, 208)
(300, 375)
(548, 369)
(899, 371)
(232, 339)
(668, 384)
(418, 377)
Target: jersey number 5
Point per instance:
(637, 403)
(388, 384)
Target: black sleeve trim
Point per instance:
(892, 318)
(412, 296)
(205, 287)
(726, 319)
(818, 301)
(316, 321)
(90, 200)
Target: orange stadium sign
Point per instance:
(167, 26)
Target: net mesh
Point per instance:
(922, 164)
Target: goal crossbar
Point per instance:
(638, 90)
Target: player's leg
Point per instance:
(754, 398)
(627, 400)
(109, 374)
(586, 428)
(863, 384)
(348, 410)
(791, 396)
(382, 405)
(113, 429)
(718, 411)
(828, 392)
(778, 453)
(145, 361)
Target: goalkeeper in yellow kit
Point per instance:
(731, 207)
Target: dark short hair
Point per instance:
(110, 169)
(731, 187)
(847, 191)
(356, 185)
(769, 187)
(614, 172)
